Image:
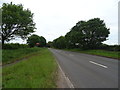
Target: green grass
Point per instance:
(39, 71)
(111, 54)
(9, 56)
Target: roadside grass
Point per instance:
(39, 71)
(9, 56)
(110, 54)
(1, 78)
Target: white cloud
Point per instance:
(54, 18)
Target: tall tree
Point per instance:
(16, 21)
(88, 34)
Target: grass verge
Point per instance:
(9, 56)
(39, 71)
(110, 54)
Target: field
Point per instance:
(110, 54)
(9, 56)
(38, 71)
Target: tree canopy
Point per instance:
(16, 22)
(86, 34)
(90, 34)
(35, 40)
(60, 42)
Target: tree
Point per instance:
(88, 34)
(60, 42)
(42, 41)
(73, 39)
(49, 44)
(16, 21)
(35, 39)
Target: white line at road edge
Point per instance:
(98, 64)
(66, 78)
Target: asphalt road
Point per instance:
(88, 71)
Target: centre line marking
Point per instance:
(98, 64)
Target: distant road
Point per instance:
(88, 71)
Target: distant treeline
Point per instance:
(63, 45)
(86, 35)
(14, 46)
(32, 41)
(110, 47)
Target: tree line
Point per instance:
(18, 22)
(85, 35)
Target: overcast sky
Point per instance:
(54, 18)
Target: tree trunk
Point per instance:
(3, 41)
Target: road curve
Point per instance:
(88, 71)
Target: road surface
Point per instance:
(88, 71)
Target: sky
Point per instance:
(55, 18)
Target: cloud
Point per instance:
(54, 18)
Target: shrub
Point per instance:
(110, 47)
(14, 46)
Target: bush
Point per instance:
(14, 46)
(110, 47)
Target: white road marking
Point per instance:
(66, 78)
(98, 64)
